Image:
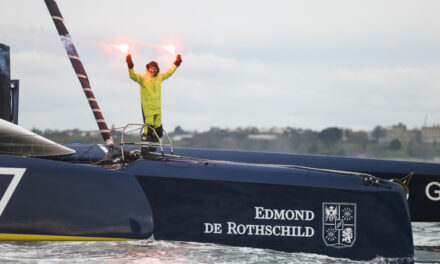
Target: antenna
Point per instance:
(79, 69)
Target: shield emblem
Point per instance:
(339, 224)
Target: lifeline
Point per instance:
(269, 230)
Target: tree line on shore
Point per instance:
(329, 141)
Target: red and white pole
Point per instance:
(79, 69)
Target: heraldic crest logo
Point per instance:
(339, 224)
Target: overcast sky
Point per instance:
(304, 64)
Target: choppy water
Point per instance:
(426, 241)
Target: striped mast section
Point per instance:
(79, 69)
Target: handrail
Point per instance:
(149, 144)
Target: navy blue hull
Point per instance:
(282, 208)
(61, 199)
(276, 208)
(424, 198)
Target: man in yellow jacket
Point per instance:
(151, 91)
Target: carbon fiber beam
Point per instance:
(79, 69)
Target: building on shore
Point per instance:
(401, 133)
(430, 134)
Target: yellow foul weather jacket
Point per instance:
(151, 89)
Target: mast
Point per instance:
(79, 69)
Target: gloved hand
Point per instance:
(129, 61)
(178, 60)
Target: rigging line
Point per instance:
(275, 165)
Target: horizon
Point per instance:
(260, 129)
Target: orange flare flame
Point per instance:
(170, 48)
(122, 47)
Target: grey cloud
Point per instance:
(306, 64)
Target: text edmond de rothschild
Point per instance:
(261, 213)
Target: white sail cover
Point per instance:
(15, 140)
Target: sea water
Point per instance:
(426, 243)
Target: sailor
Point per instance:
(151, 86)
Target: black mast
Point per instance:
(79, 69)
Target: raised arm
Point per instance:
(165, 75)
(134, 76)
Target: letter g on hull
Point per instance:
(433, 191)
